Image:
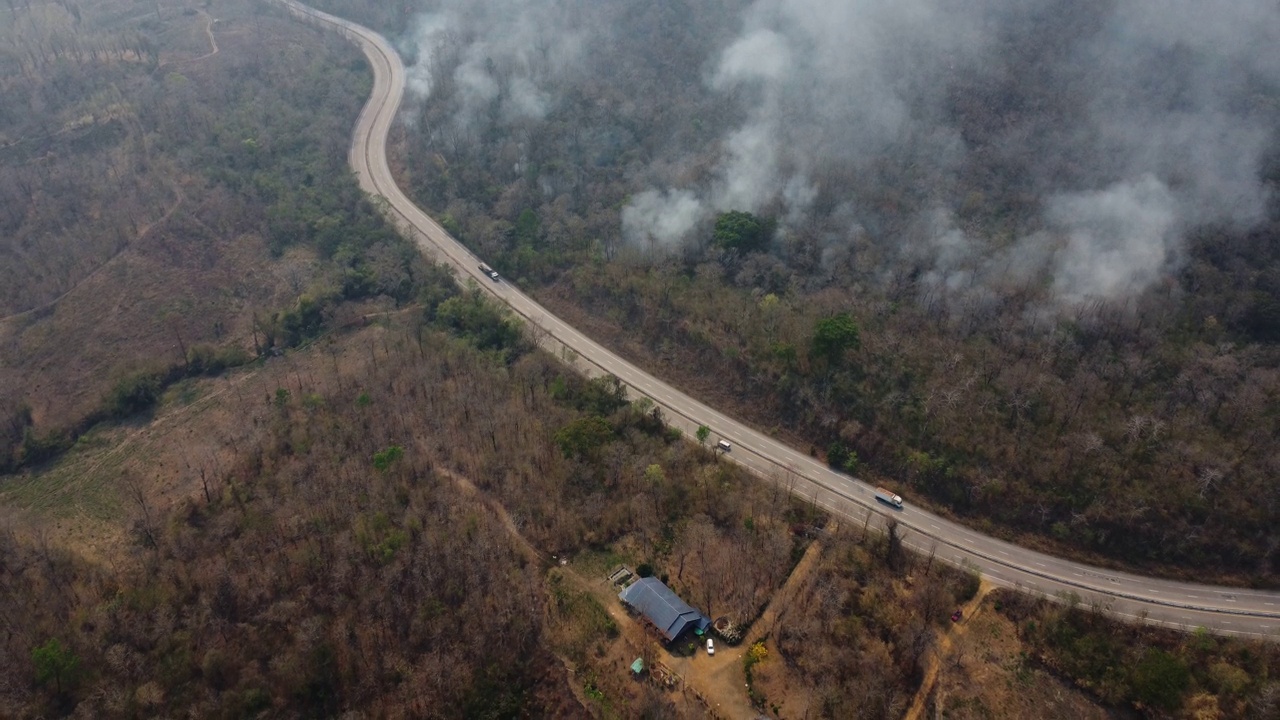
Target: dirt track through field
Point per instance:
(942, 650)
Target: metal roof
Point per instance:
(665, 610)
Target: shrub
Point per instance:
(56, 663)
(1160, 679)
(384, 459)
(134, 394)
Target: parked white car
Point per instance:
(711, 646)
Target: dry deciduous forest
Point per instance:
(173, 209)
(260, 459)
(372, 524)
(894, 339)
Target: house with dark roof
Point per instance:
(662, 608)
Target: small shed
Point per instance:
(637, 667)
(663, 608)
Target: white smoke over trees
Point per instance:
(662, 218)
(1076, 141)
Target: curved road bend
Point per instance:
(1183, 605)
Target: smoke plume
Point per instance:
(1094, 133)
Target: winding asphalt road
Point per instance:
(1164, 602)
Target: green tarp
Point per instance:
(637, 667)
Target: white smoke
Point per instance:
(826, 81)
(424, 43)
(511, 52)
(842, 104)
(759, 55)
(655, 220)
(1118, 240)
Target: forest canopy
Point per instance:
(1054, 225)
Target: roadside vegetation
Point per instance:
(1163, 673)
(1137, 432)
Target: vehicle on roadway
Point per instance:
(724, 446)
(955, 616)
(1228, 615)
(493, 274)
(888, 498)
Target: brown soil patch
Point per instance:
(943, 651)
(771, 678)
(981, 672)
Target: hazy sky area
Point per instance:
(1147, 119)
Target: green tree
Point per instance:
(384, 459)
(1159, 679)
(303, 322)
(134, 394)
(583, 437)
(840, 457)
(833, 335)
(654, 476)
(836, 454)
(527, 228)
(704, 432)
(742, 231)
(486, 323)
(54, 662)
(604, 394)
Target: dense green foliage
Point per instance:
(584, 437)
(474, 315)
(742, 231)
(54, 664)
(833, 337)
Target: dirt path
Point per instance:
(783, 597)
(789, 698)
(940, 653)
(208, 30)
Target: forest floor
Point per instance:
(981, 669)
